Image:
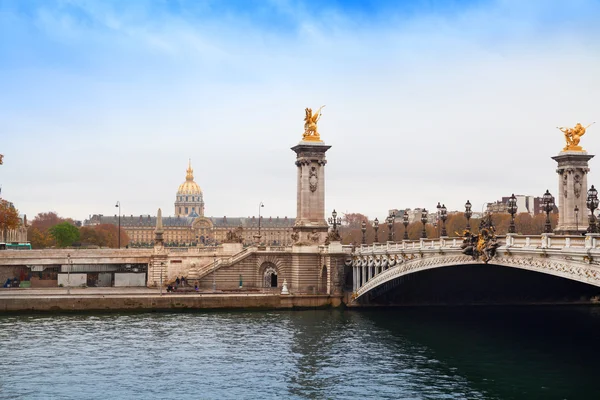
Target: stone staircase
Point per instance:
(200, 271)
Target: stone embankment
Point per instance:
(113, 299)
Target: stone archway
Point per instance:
(269, 275)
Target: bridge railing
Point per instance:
(545, 241)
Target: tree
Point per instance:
(103, 235)
(354, 220)
(38, 234)
(9, 216)
(64, 234)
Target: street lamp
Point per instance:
(335, 222)
(548, 201)
(119, 232)
(512, 209)
(213, 272)
(390, 223)
(444, 217)
(405, 222)
(69, 264)
(363, 228)
(468, 214)
(424, 221)
(438, 217)
(260, 205)
(577, 219)
(376, 227)
(592, 204)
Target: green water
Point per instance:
(414, 353)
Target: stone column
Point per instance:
(310, 214)
(354, 278)
(572, 191)
(364, 276)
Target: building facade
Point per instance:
(189, 226)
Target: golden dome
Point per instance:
(189, 186)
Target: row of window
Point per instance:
(189, 198)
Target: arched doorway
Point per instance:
(270, 276)
(323, 280)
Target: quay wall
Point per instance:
(165, 302)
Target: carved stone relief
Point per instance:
(313, 179)
(577, 185)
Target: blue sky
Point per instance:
(427, 101)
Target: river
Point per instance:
(535, 352)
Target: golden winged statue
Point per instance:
(1, 157)
(311, 134)
(573, 136)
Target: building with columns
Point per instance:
(189, 226)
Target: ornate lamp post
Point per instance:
(363, 228)
(512, 209)
(424, 221)
(438, 217)
(548, 206)
(592, 204)
(444, 217)
(468, 214)
(577, 219)
(405, 222)
(119, 232)
(335, 222)
(390, 223)
(376, 227)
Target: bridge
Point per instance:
(375, 267)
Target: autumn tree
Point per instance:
(64, 234)
(103, 235)
(9, 216)
(354, 220)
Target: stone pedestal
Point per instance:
(572, 191)
(310, 226)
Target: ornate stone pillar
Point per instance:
(310, 214)
(572, 191)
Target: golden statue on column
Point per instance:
(573, 136)
(311, 134)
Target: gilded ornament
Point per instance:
(573, 136)
(311, 133)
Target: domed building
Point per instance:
(189, 201)
(189, 226)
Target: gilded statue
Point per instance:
(1, 157)
(573, 136)
(311, 133)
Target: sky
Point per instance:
(427, 101)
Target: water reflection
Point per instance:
(417, 353)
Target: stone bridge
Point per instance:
(571, 257)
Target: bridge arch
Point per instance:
(371, 274)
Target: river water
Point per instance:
(542, 352)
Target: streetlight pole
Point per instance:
(439, 215)
(548, 207)
(376, 227)
(512, 209)
(577, 219)
(213, 272)
(363, 228)
(592, 204)
(260, 205)
(424, 222)
(119, 232)
(443, 217)
(390, 221)
(468, 214)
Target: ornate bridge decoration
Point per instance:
(571, 257)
